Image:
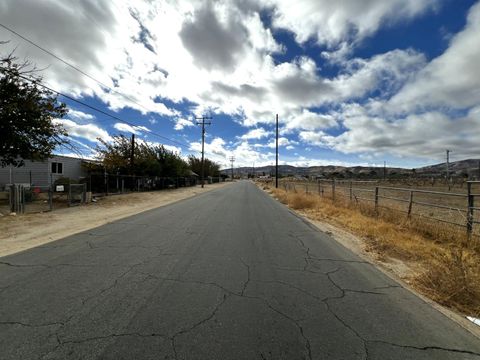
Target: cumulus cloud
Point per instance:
(331, 22)
(221, 56)
(180, 124)
(453, 78)
(214, 44)
(137, 130)
(90, 132)
(80, 116)
(308, 120)
(257, 133)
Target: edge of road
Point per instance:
(457, 318)
(35, 240)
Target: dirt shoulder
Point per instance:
(18, 233)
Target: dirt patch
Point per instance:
(18, 233)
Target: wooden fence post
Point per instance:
(333, 189)
(410, 203)
(470, 205)
(376, 200)
(306, 188)
(351, 191)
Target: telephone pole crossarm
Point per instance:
(203, 123)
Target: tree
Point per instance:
(148, 160)
(27, 130)
(211, 167)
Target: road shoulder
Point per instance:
(19, 233)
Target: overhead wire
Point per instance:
(76, 68)
(96, 109)
(94, 79)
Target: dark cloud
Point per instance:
(212, 44)
(144, 35)
(75, 31)
(244, 90)
(302, 90)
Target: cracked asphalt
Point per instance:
(229, 274)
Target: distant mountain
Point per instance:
(470, 167)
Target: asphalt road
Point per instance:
(229, 274)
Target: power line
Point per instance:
(94, 79)
(74, 67)
(96, 109)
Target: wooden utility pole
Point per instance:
(232, 159)
(203, 123)
(132, 154)
(276, 162)
(448, 165)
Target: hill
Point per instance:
(470, 167)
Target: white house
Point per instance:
(43, 173)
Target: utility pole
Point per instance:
(232, 159)
(132, 154)
(253, 170)
(276, 162)
(384, 170)
(203, 123)
(448, 165)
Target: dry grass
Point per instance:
(445, 265)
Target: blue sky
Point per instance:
(355, 82)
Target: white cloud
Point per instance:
(91, 132)
(137, 130)
(219, 56)
(308, 120)
(424, 136)
(331, 22)
(453, 78)
(181, 123)
(257, 133)
(282, 141)
(77, 115)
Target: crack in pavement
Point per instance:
(115, 282)
(296, 322)
(424, 348)
(186, 281)
(248, 276)
(197, 324)
(31, 325)
(364, 341)
(24, 265)
(61, 343)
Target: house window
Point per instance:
(57, 168)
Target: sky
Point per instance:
(354, 82)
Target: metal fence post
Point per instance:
(50, 197)
(410, 203)
(470, 210)
(376, 200)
